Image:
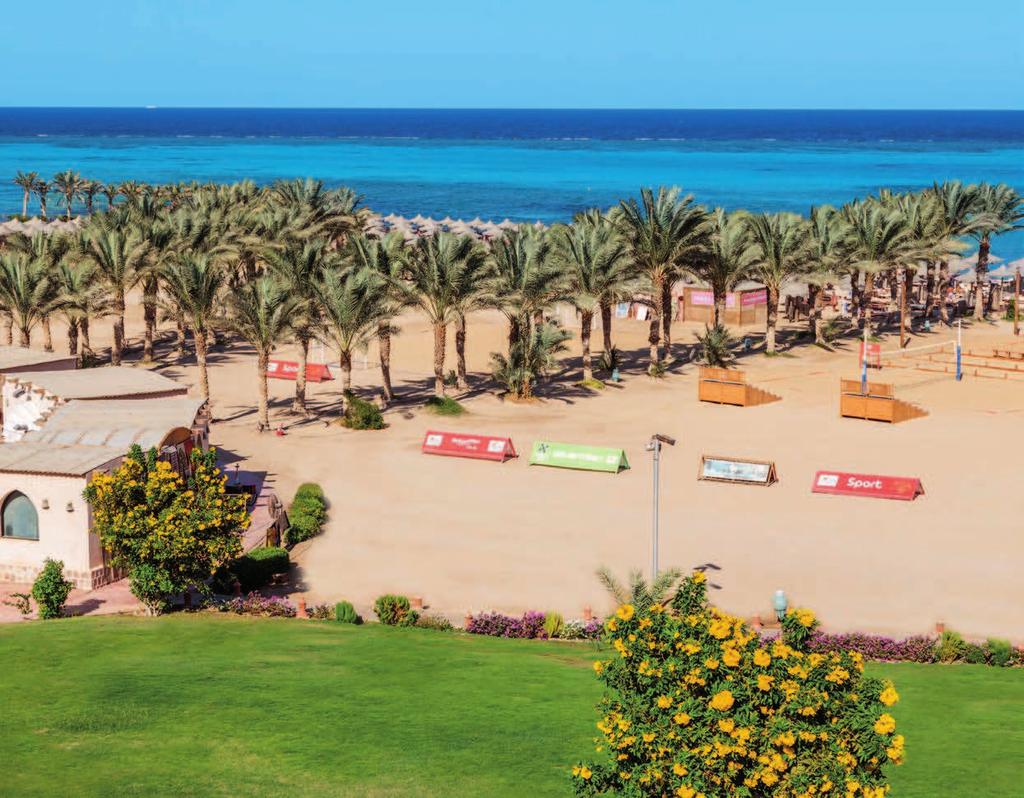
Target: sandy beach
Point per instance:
(470, 535)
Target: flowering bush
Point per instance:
(263, 606)
(581, 630)
(700, 707)
(530, 626)
(876, 647)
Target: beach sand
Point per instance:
(470, 536)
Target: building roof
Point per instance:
(99, 383)
(117, 423)
(18, 357)
(25, 457)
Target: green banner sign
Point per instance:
(571, 455)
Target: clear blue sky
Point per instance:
(516, 53)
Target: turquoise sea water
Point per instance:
(527, 165)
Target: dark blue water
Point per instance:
(527, 164)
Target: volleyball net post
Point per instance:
(959, 349)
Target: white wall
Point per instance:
(25, 409)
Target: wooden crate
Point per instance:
(730, 387)
(877, 402)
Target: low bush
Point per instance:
(307, 513)
(362, 415)
(320, 612)
(252, 570)
(950, 647)
(444, 406)
(51, 590)
(392, 610)
(263, 606)
(581, 630)
(529, 626)
(553, 623)
(974, 654)
(437, 622)
(876, 647)
(344, 612)
(1000, 652)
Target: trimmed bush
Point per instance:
(394, 610)
(252, 570)
(552, 624)
(876, 647)
(307, 513)
(494, 624)
(581, 630)
(1000, 652)
(344, 612)
(360, 414)
(51, 590)
(444, 406)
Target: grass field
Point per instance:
(223, 706)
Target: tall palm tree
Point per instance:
(598, 272)
(194, 286)
(954, 205)
(662, 232)
(354, 304)
(89, 190)
(26, 181)
(443, 270)
(46, 250)
(111, 191)
(829, 259)
(260, 311)
(386, 257)
(68, 186)
(727, 259)
(117, 255)
(42, 189)
(527, 279)
(81, 297)
(25, 292)
(781, 251)
(999, 209)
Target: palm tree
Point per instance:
(117, 255)
(529, 358)
(727, 258)
(69, 186)
(299, 267)
(999, 209)
(354, 305)
(25, 292)
(89, 190)
(42, 190)
(597, 269)
(260, 311)
(194, 288)
(26, 181)
(387, 257)
(443, 270)
(829, 258)
(781, 251)
(527, 279)
(46, 251)
(639, 592)
(81, 297)
(111, 191)
(954, 207)
(662, 232)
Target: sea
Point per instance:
(527, 165)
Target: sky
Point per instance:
(515, 54)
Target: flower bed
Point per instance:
(530, 627)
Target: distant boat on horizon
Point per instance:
(150, 107)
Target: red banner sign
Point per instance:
(871, 485)
(289, 370)
(874, 354)
(458, 444)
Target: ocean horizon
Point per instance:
(527, 164)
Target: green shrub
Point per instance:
(1000, 652)
(360, 414)
(610, 360)
(22, 602)
(716, 346)
(51, 590)
(444, 406)
(307, 513)
(252, 570)
(437, 622)
(553, 623)
(950, 647)
(308, 490)
(394, 610)
(344, 612)
(320, 612)
(974, 655)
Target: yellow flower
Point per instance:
(720, 629)
(762, 658)
(585, 772)
(731, 657)
(678, 769)
(664, 702)
(686, 792)
(598, 666)
(722, 701)
(889, 696)
(699, 577)
(805, 617)
(649, 737)
(681, 718)
(711, 664)
(885, 724)
(764, 683)
(727, 725)
(625, 612)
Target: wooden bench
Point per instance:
(730, 387)
(877, 402)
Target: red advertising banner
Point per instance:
(874, 354)
(753, 298)
(289, 370)
(458, 444)
(871, 485)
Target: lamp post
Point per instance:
(781, 603)
(654, 445)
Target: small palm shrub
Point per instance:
(610, 360)
(444, 406)
(553, 623)
(51, 590)
(392, 610)
(361, 415)
(529, 358)
(344, 612)
(950, 647)
(716, 346)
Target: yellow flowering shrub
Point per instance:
(699, 706)
(168, 534)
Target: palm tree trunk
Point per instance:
(981, 278)
(345, 361)
(772, 317)
(42, 205)
(179, 349)
(118, 348)
(73, 337)
(149, 293)
(87, 352)
(299, 402)
(869, 292)
(440, 334)
(204, 377)
(586, 322)
(262, 411)
(718, 299)
(514, 331)
(460, 352)
(855, 296)
(24, 204)
(666, 317)
(654, 335)
(384, 346)
(47, 335)
(606, 325)
(929, 289)
(24, 336)
(940, 291)
(814, 292)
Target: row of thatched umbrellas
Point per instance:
(33, 226)
(418, 226)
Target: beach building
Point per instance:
(42, 477)
(27, 398)
(15, 359)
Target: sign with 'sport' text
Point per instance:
(461, 444)
(289, 370)
(571, 455)
(870, 485)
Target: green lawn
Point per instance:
(225, 706)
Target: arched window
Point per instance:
(19, 518)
